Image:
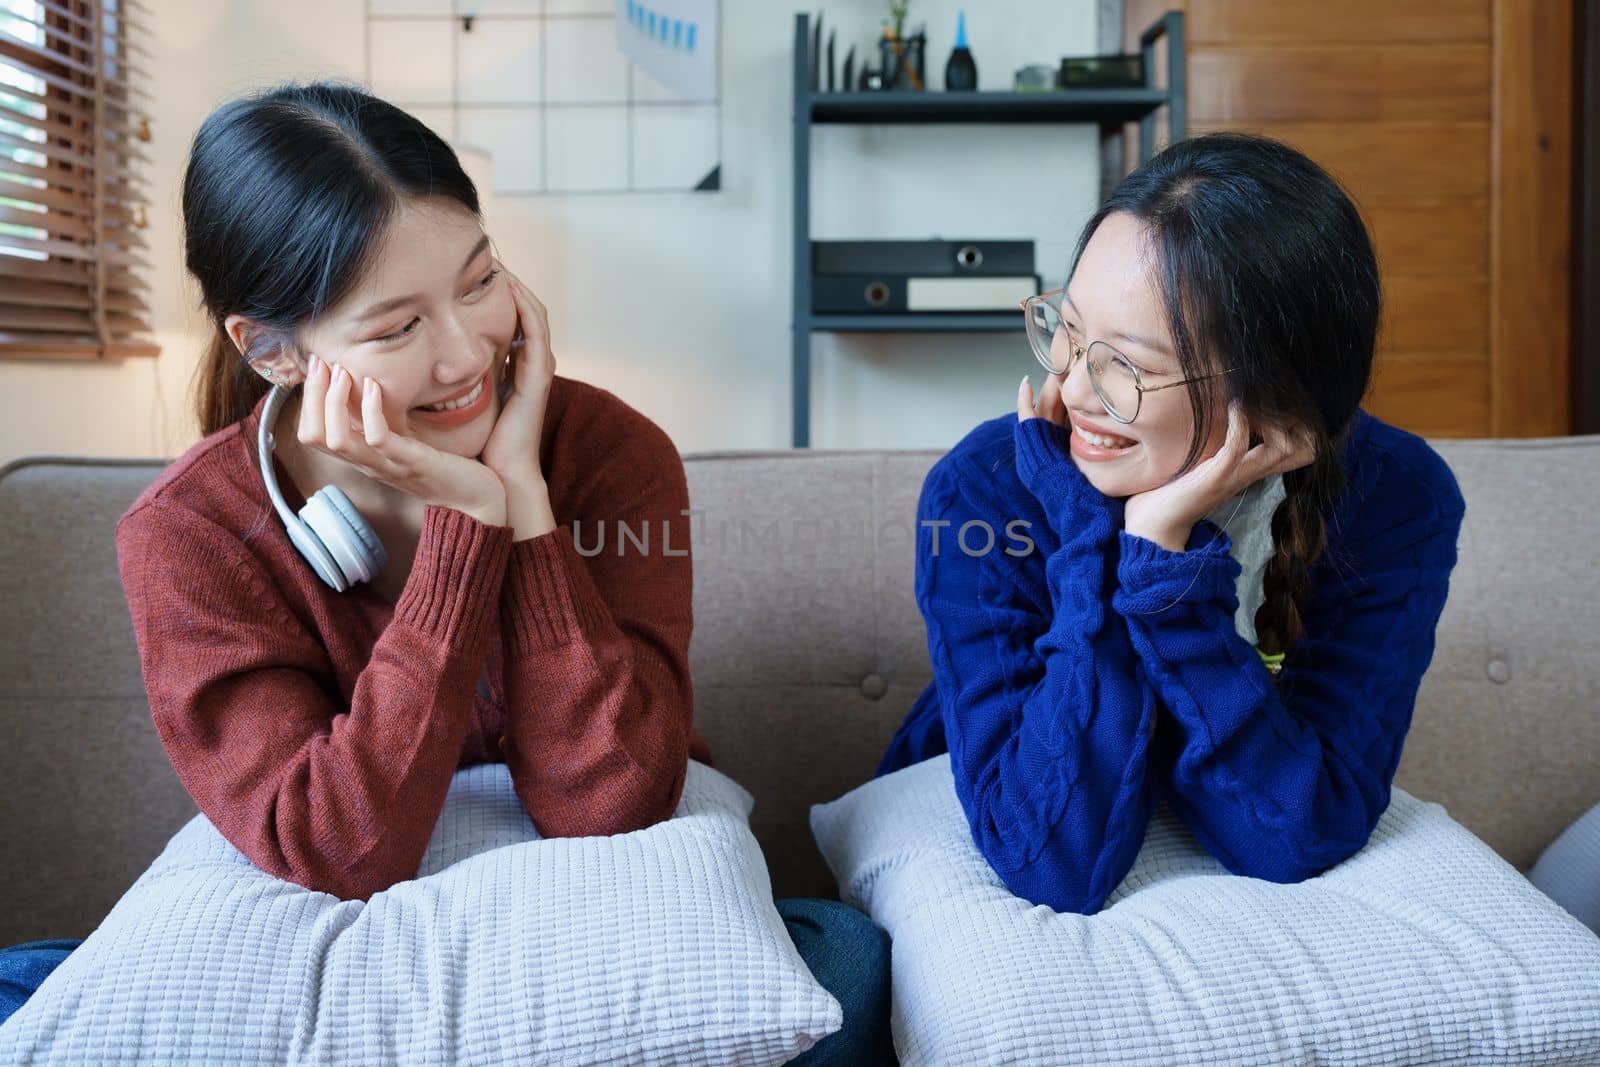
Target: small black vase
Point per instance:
(960, 71)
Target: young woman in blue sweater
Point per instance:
(1098, 623)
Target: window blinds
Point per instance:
(72, 204)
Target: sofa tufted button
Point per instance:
(873, 687)
(1499, 670)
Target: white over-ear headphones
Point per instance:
(329, 532)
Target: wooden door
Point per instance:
(1449, 123)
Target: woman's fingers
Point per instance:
(1047, 405)
(1051, 406)
(535, 321)
(361, 436)
(375, 450)
(387, 455)
(336, 412)
(1286, 448)
(325, 412)
(1282, 448)
(530, 306)
(540, 313)
(533, 362)
(311, 402)
(508, 367)
(1235, 451)
(373, 424)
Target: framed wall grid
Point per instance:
(542, 87)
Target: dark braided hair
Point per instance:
(1264, 264)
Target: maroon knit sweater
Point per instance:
(319, 731)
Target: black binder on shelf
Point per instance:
(833, 294)
(930, 258)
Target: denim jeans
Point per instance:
(24, 967)
(847, 953)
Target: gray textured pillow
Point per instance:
(658, 946)
(1424, 947)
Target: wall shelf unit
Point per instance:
(1109, 109)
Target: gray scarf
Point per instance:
(1250, 530)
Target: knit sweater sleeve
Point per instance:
(1282, 784)
(336, 794)
(1047, 722)
(599, 701)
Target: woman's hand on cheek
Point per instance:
(512, 450)
(1167, 514)
(346, 420)
(1045, 465)
(1049, 404)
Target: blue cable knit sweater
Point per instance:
(1072, 680)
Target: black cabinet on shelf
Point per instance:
(1105, 108)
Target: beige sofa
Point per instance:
(808, 650)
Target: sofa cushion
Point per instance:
(662, 945)
(1568, 871)
(1425, 946)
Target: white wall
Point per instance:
(679, 303)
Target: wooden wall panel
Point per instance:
(1432, 396)
(1447, 123)
(1425, 313)
(1530, 242)
(1340, 83)
(1389, 161)
(1350, 21)
(1446, 238)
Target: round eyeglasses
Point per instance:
(1117, 382)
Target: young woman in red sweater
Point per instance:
(317, 723)
(338, 250)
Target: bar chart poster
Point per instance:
(564, 97)
(675, 40)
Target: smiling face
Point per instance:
(430, 320)
(1112, 297)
